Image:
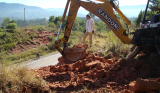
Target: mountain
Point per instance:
(59, 11)
(32, 12)
(16, 11)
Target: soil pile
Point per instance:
(100, 74)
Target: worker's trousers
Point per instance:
(90, 37)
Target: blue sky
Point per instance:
(61, 3)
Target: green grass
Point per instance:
(116, 46)
(107, 43)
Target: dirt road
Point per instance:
(51, 59)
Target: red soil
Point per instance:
(99, 74)
(42, 39)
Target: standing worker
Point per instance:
(89, 29)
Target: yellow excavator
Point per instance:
(105, 10)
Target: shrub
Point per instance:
(32, 42)
(28, 42)
(116, 47)
(43, 48)
(51, 46)
(33, 34)
(1, 48)
(13, 79)
(70, 42)
(11, 26)
(39, 28)
(51, 24)
(37, 42)
(9, 46)
(1, 30)
(21, 46)
(2, 34)
(52, 38)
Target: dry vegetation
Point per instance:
(19, 79)
(105, 42)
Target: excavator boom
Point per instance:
(102, 10)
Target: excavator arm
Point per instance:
(102, 10)
(105, 12)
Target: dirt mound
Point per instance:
(95, 72)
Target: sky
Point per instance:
(62, 3)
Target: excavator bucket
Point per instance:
(75, 53)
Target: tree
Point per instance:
(82, 25)
(139, 18)
(51, 19)
(154, 4)
(75, 25)
(58, 24)
(32, 22)
(13, 21)
(20, 22)
(5, 22)
(57, 20)
(101, 26)
(92, 15)
(64, 23)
